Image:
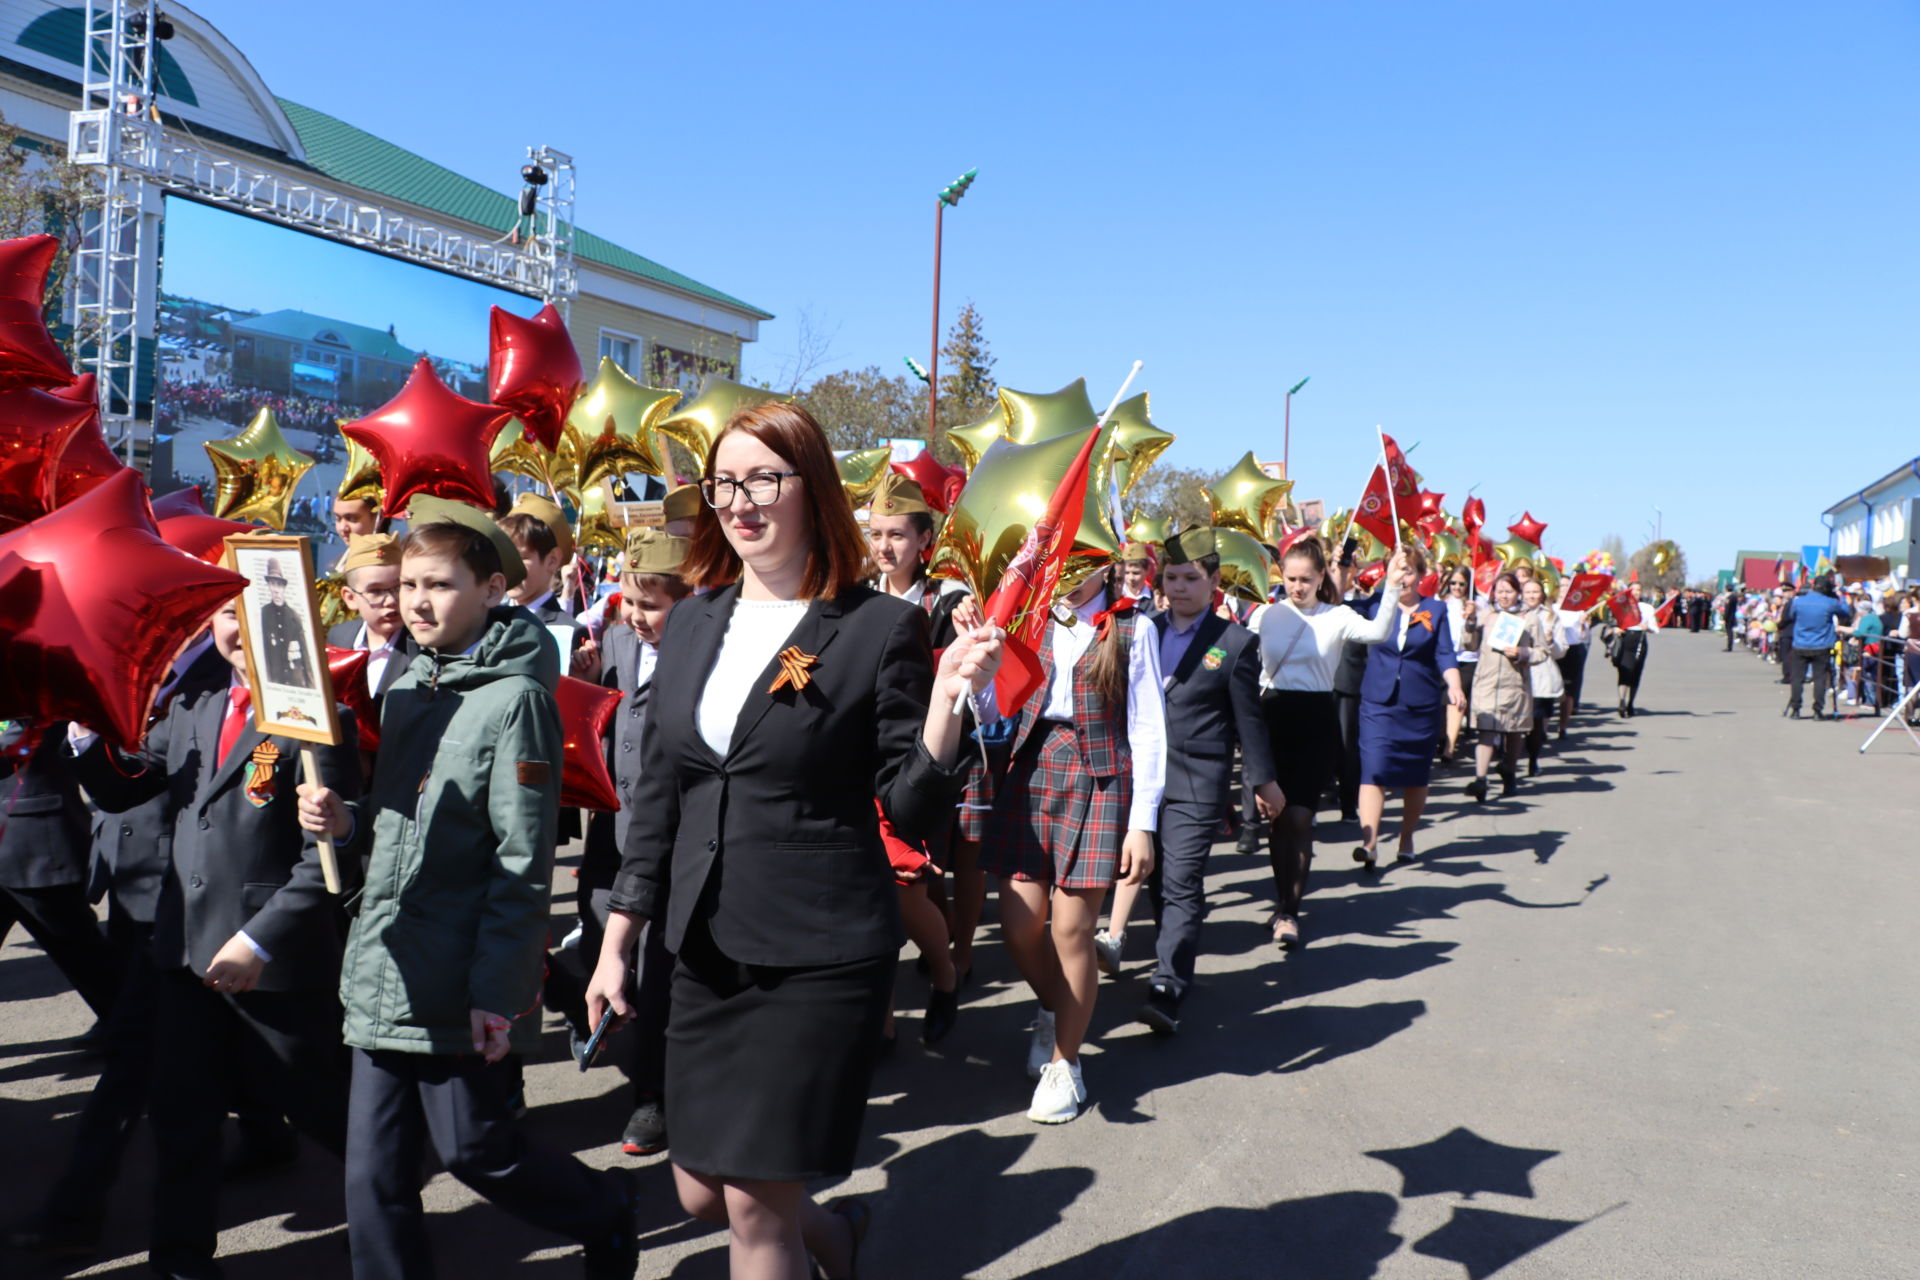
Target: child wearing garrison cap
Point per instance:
(371, 569)
(444, 961)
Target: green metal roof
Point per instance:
(354, 156)
(304, 326)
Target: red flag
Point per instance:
(1486, 565)
(1626, 610)
(1664, 614)
(1377, 505)
(1020, 604)
(1585, 591)
(1474, 517)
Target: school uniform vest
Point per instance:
(1100, 726)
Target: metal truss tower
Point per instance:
(114, 130)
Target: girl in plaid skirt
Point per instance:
(1075, 811)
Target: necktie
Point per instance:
(238, 702)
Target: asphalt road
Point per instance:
(1653, 1017)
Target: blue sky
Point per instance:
(1596, 259)
(221, 257)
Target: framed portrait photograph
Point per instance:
(1507, 631)
(280, 630)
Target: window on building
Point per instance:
(623, 349)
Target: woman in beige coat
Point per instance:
(1509, 644)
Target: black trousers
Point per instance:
(285, 1044)
(119, 1097)
(639, 1049)
(1820, 662)
(1179, 889)
(1347, 708)
(460, 1103)
(1732, 625)
(61, 920)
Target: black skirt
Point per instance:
(1304, 729)
(768, 1069)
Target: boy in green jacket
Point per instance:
(444, 961)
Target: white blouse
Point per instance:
(1146, 704)
(1309, 640)
(757, 631)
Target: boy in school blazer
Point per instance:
(1212, 683)
(244, 936)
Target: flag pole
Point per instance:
(1386, 470)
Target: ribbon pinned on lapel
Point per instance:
(794, 670)
(1419, 619)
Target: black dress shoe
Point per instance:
(646, 1129)
(1477, 788)
(617, 1256)
(943, 1010)
(1161, 1012)
(1249, 841)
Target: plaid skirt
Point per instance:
(1053, 822)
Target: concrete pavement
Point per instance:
(1654, 1016)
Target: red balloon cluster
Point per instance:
(533, 371)
(428, 439)
(29, 357)
(202, 536)
(585, 709)
(181, 502)
(939, 484)
(94, 607)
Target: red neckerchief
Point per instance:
(1102, 620)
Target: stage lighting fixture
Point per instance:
(533, 175)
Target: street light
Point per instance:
(1286, 447)
(949, 194)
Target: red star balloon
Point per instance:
(201, 535)
(534, 370)
(1426, 503)
(1430, 584)
(585, 709)
(88, 459)
(94, 608)
(348, 670)
(29, 357)
(181, 502)
(1368, 576)
(939, 484)
(1527, 527)
(1292, 537)
(35, 429)
(1473, 517)
(429, 440)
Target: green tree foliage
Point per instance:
(1673, 579)
(968, 391)
(40, 193)
(1173, 493)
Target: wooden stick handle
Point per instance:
(329, 863)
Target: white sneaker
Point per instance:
(1040, 1047)
(1079, 1085)
(1106, 951)
(1054, 1098)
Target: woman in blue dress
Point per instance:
(1410, 681)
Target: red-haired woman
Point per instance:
(787, 700)
(1077, 811)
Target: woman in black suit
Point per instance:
(786, 701)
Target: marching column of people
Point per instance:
(808, 737)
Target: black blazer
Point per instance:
(347, 634)
(131, 849)
(777, 846)
(43, 822)
(1213, 701)
(234, 865)
(626, 734)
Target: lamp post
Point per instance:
(1286, 446)
(950, 194)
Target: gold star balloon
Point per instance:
(333, 606)
(1549, 576)
(362, 479)
(1448, 550)
(1008, 491)
(614, 419)
(255, 472)
(595, 530)
(1137, 443)
(1246, 497)
(972, 440)
(698, 423)
(1033, 416)
(1244, 568)
(1515, 550)
(1143, 529)
(861, 472)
